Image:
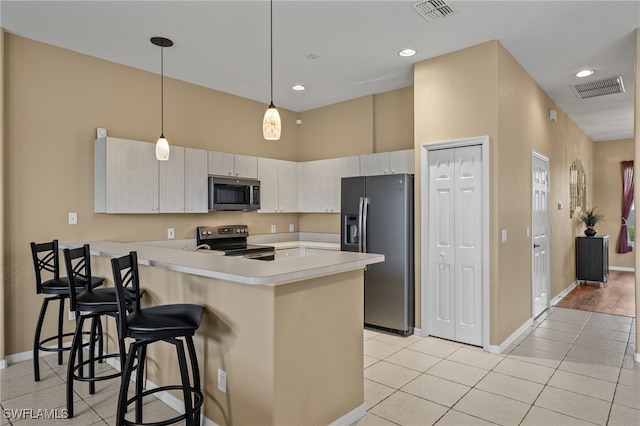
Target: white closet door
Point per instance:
(468, 247)
(442, 241)
(455, 253)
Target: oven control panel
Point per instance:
(226, 231)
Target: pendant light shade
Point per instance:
(162, 145)
(271, 126)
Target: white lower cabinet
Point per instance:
(126, 176)
(290, 252)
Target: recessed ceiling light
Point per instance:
(407, 52)
(584, 73)
(299, 87)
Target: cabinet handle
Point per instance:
(536, 246)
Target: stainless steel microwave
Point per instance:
(239, 194)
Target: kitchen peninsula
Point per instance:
(288, 333)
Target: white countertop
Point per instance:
(309, 244)
(237, 269)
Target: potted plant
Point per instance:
(590, 218)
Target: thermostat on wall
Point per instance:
(101, 132)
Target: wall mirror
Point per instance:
(577, 187)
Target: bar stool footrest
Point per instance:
(198, 399)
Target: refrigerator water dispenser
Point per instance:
(351, 230)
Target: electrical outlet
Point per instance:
(73, 218)
(273, 229)
(504, 235)
(291, 227)
(222, 380)
(72, 315)
(171, 233)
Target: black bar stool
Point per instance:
(91, 304)
(46, 259)
(166, 323)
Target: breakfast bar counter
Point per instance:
(288, 333)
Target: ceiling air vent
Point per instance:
(434, 10)
(608, 86)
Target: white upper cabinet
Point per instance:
(269, 181)
(126, 176)
(196, 184)
(129, 179)
(384, 163)
(236, 165)
(319, 183)
(288, 186)
(171, 182)
(278, 186)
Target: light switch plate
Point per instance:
(73, 218)
(504, 235)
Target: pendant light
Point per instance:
(162, 146)
(271, 126)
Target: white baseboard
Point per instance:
(622, 268)
(3, 364)
(163, 396)
(509, 340)
(351, 417)
(563, 293)
(636, 357)
(417, 331)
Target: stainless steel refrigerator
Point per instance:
(377, 217)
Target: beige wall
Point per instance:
(479, 91)
(607, 193)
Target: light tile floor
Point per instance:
(570, 368)
(46, 399)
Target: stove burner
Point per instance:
(232, 240)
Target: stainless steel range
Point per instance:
(232, 240)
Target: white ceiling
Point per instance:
(224, 45)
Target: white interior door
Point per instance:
(455, 255)
(540, 231)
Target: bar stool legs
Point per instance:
(192, 393)
(39, 345)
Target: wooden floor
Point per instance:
(617, 297)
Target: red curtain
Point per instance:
(627, 200)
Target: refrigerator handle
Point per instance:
(360, 228)
(365, 217)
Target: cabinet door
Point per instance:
(268, 175)
(313, 182)
(129, 176)
(246, 166)
(342, 167)
(374, 164)
(288, 186)
(401, 161)
(171, 182)
(220, 163)
(195, 180)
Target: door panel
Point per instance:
(540, 227)
(455, 255)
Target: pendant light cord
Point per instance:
(162, 91)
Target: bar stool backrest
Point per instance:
(45, 258)
(78, 264)
(125, 276)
